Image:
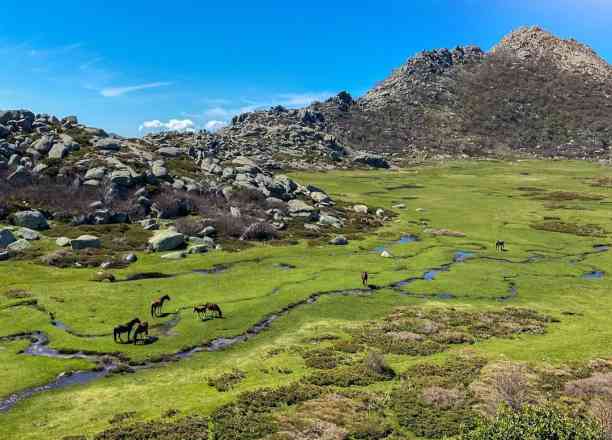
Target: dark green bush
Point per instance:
(534, 423)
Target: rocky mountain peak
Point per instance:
(424, 67)
(567, 54)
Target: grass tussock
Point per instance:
(227, 381)
(586, 230)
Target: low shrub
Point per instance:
(260, 231)
(534, 423)
(192, 428)
(191, 226)
(227, 381)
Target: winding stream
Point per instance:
(108, 363)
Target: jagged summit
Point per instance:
(424, 67)
(569, 54)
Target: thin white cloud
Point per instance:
(215, 125)
(302, 99)
(54, 50)
(111, 92)
(172, 124)
(87, 65)
(222, 110)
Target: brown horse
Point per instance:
(500, 245)
(125, 328)
(206, 307)
(156, 306)
(143, 328)
(364, 278)
(200, 310)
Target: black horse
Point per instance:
(125, 328)
(500, 245)
(364, 278)
(142, 329)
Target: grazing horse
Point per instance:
(214, 308)
(500, 245)
(157, 305)
(364, 278)
(201, 309)
(125, 328)
(143, 328)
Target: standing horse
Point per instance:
(364, 278)
(143, 328)
(500, 245)
(156, 306)
(213, 308)
(125, 328)
(201, 309)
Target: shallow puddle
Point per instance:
(462, 256)
(594, 275)
(430, 275)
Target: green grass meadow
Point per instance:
(534, 206)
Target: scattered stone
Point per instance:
(299, 208)
(198, 249)
(4, 255)
(107, 144)
(399, 206)
(320, 197)
(340, 240)
(28, 234)
(166, 241)
(121, 177)
(330, 220)
(209, 231)
(62, 241)
(6, 238)
(85, 242)
(386, 254)
(31, 219)
(58, 151)
(380, 212)
(371, 160)
(96, 173)
(19, 245)
(360, 209)
(170, 151)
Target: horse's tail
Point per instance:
(152, 310)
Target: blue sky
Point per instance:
(130, 64)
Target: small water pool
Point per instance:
(462, 256)
(405, 239)
(594, 275)
(431, 275)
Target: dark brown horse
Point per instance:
(143, 328)
(125, 328)
(206, 307)
(156, 306)
(200, 310)
(500, 245)
(364, 278)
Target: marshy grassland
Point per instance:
(421, 352)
